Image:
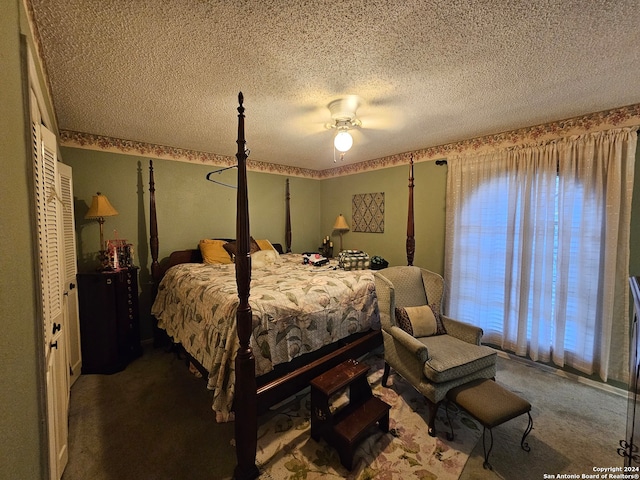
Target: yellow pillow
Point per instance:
(265, 245)
(213, 251)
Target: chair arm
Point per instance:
(386, 300)
(385, 320)
(464, 331)
(414, 346)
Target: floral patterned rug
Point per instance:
(287, 451)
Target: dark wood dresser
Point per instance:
(109, 320)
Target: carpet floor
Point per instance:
(576, 427)
(154, 421)
(287, 451)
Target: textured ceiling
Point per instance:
(428, 72)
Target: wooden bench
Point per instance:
(491, 405)
(345, 427)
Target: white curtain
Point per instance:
(537, 249)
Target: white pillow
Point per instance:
(262, 258)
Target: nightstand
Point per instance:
(109, 319)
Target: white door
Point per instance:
(51, 257)
(70, 308)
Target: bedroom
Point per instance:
(119, 179)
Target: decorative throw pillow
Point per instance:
(213, 251)
(262, 258)
(266, 245)
(421, 321)
(232, 248)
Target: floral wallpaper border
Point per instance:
(108, 144)
(616, 118)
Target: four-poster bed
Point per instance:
(253, 395)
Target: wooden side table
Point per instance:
(345, 427)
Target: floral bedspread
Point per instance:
(296, 309)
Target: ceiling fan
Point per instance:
(343, 119)
(348, 117)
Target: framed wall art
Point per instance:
(368, 212)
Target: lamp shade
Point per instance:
(341, 224)
(343, 141)
(100, 207)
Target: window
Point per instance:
(537, 249)
(490, 241)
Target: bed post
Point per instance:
(153, 230)
(159, 337)
(411, 242)
(287, 226)
(246, 403)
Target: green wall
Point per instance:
(189, 208)
(429, 212)
(23, 446)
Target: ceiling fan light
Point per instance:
(343, 141)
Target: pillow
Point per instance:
(422, 321)
(262, 258)
(213, 251)
(231, 247)
(265, 245)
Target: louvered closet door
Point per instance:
(70, 290)
(51, 254)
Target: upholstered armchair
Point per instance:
(419, 349)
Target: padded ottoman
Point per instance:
(491, 405)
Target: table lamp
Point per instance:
(341, 226)
(99, 209)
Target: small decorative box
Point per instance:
(353, 260)
(120, 254)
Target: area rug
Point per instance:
(287, 451)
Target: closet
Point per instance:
(56, 263)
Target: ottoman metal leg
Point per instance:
(525, 446)
(486, 463)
